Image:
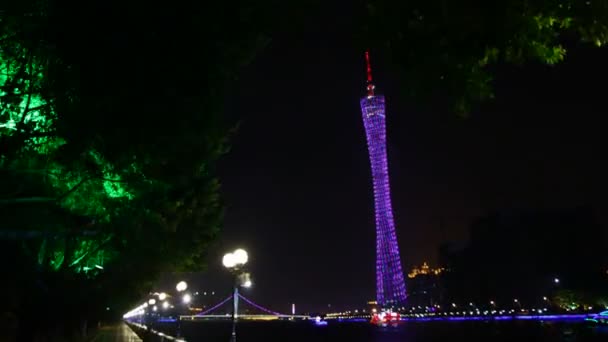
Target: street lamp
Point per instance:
(181, 286)
(235, 262)
(186, 298)
(162, 296)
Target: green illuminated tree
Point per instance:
(568, 300)
(451, 46)
(109, 132)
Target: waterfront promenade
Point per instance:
(119, 332)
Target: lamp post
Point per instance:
(235, 262)
(181, 287)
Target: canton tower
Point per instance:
(390, 285)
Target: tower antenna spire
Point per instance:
(370, 85)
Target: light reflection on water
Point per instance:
(410, 332)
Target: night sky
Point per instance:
(297, 182)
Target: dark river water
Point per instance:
(276, 331)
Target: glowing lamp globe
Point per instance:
(181, 286)
(186, 299)
(229, 260)
(240, 256)
(162, 296)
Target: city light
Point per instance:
(181, 286)
(136, 312)
(247, 283)
(556, 280)
(165, 305)
(152, 301)
(236, 258)
(240, 256)
(229, 261)
(186, 298)
(162, 296)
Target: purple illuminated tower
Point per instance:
(390, 286)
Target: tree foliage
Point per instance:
(450, 46)
(109, 131)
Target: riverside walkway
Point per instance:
(119, 332)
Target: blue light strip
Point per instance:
(576, 317)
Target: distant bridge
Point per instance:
(267, 316)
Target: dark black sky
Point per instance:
(297, 181)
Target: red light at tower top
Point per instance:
(369, 67)
(370, 85)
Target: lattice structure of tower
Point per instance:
(390, 284)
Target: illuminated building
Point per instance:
(390, 285)
(424, 286)
(424, 270)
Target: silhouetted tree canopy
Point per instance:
(450, 47)
(110, 126)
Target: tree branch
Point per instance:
(74, 188)
(103, 243)
(60, 197)
(84, 180)
(27, 110)
(29, 85)
(37, 234)
(35, 171)
(27, 200)
(41, 134)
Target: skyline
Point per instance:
(443, 167)
(133, 159)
